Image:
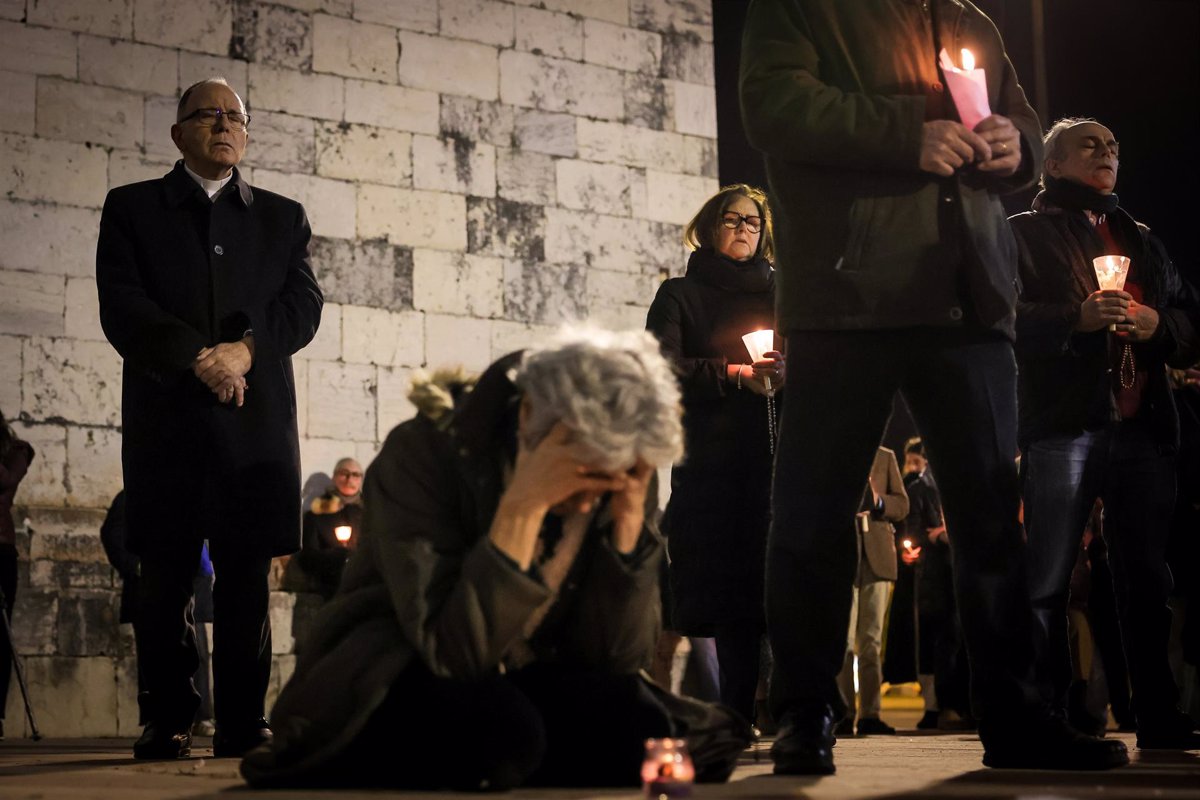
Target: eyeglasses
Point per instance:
(345, 473)
(732, 220)
(209, 117)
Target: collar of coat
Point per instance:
(179, 186)
(485, 421)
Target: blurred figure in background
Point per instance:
(15, 457)
(331, 526)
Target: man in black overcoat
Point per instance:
(206, 291)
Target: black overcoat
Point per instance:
(175, 273)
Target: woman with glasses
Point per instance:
(716, 520)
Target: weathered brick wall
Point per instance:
(476, 172)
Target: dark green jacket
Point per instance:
(835, 93)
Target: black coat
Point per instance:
(176, 273)
(716, 521)
(1064, 382)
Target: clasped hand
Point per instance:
(1129, 318)
(771, 367)
(993, 147)
(222, 368)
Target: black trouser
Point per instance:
(8, 582)
(961, 388)
(542, 726)
(166, 636)
(739, 654)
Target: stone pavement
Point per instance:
(911, 766)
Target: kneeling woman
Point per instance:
(489, 628)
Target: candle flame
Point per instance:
(968, 60)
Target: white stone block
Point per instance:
(621, 47)
(43, 484)
(305, 95)
(271, 34)
(487, 21)
(280, 608)
(37, 50)
(700, 156)
(125, 65)
(382, 337)
(687, 58)
(10, 364)
(628, 144)
(676, 198)
(203, 25)
(695, 109)
(113, 18)
(364, 153)
(637, 193)
(397, 107)
(54, 172)
(393, 403)
(421, 219)
(72, 380)
(318, 455)
(450, 341)
(73, 696)
(547, 33)
(542, 132)
(199, 66)
(354, 49)
(611, 288)
(341, 8)
(612, 10)
(678, 16)
(159, 114)
(425, 63)
(330, 204)
(618, 317)
(577, 237)
(327, 344)
(55, 240)
(20, 98)
(341, 401)
(282, 142)
(31, 304)
(93, 469)
(554, 84)
(130, 166)
(12, 9)
(477, 120)
(413, 15)
(538, 292)
(588, 186)
(525, 177)
(454, 165)
(509, 336)
(80, 113)
(82, 317)
(457, 283)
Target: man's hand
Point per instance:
(947, 145)
(221, 368)
(1005, 142)
(1139, 324)
(1103, 308)
(629, 507)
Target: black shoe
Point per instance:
(929, 722)
(1172, 731)
(874, 726)
(805, 743)
(845, 728)
(162, 742)
(236, 742)
(1047, 742)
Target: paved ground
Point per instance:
(905, 767)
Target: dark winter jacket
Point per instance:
(322, 557)
(835, 93)
(13, 466)
(176, 273)
(426, 583)
(717, 517)
(1064, 379)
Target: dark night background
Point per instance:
(1134, 65)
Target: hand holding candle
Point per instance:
(1111, 271)
(767, 360)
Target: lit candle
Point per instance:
(1110, 274)
(968, 88)
(342, 532)
(908, 544)
(758, 343)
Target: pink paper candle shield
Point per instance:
(968, 88)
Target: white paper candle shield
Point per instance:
(968, 88)
(758, 343)
(342, 532)
(1111, 271)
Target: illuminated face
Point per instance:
(1088, 156)
(348, 477)
(739, 242)
(913, 462)
(210, 144)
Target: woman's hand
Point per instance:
(629, 507)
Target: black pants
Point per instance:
(166, 636)
(739, 653)
(8, 582)
(961, 388)
(541, 726)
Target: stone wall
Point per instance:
(476, 172)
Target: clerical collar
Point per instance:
(210, 187)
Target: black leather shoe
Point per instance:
(236, 742)
(1172, 731)
(805, 743)
(845, 728)
(1047, 742)
(874, 726)
(162, 742)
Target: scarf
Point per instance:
(710, 267)
(1072, 196)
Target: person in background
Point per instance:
(716, 520)
(15, 457)
(331, 527)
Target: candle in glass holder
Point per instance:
(968, 88)
(342, 533)
(667, 770)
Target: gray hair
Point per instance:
(614, 390)
(1051, 144)
(187, 94)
